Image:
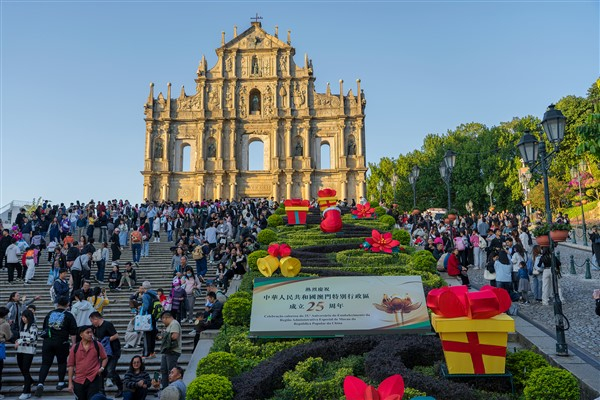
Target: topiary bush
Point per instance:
(522, 363)
(220, 363)
(275, 220)
(266, 236)
(308, 382)
(255, 255)
(240, 294)
(210, 387)
(380, 211)
(388, 220)
(226, 335)
(280, 210)
(423, 260)
(237, 311)
(409, 393)
(551, 383)
(402, 236)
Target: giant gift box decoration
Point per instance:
(473, 328)
(332, 215)
(296, 210)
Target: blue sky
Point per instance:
(75, 75)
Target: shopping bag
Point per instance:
(2, 351)
(143, 323)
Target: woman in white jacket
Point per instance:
(25, 346)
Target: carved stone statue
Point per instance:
(299, 96)
(351, 147)
(158, 149)
(283, 95)
(298, 151)
(211, 151)
(268, 102)
(255, 70)
(255, 103)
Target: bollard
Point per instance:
(588, 273)
(573, 272)
(574, 236)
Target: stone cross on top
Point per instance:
(256, 19)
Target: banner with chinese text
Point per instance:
(345, 305)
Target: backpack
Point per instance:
(136, 237)
(97, 256)
(442, 262)
(52, 294)
(157, 308)
(198, 254)
(482, 242)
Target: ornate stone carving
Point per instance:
(299, 96)
(268, 101)
(158, 149)
(283, 96)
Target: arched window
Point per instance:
(186, 158)
(325, 156)
(255, 101)
(256, 156)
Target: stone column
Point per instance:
(306, 194)
(343, 189)
(232, 185)
(288, 187)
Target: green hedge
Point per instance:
(308, 382)
(220, 363)
(388, 221)
(402, 236)
(210, 387)
(275, 220)
(380, 211)
(266, 236)
(423, 260)
(522, 363)
(237, 311)
(253, 258)
(280, 210)
(551, 383)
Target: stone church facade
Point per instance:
(255, 92)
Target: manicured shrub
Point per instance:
(240, 294)
(280, 210)
(522, 363)
(551, 383)
(275, 220)
(423, 260)
(409, 393)
(380, 211)
(255, 255)
(225, 335)
(308, 382)
(210, 387)
(388, 220)
(220, 363)
(266, 236)
(237, 311)
(402, 236)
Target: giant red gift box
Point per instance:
(296, 210)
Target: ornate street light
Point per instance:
(446, 167)
(380, 189)
(489, 189)
(576, 173)
(529, 147)
(412, 179)
(394, 183)
(524, 179)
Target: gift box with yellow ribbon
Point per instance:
(296, 210)
(327, 198)
(472, 327)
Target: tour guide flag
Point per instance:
(343, 305)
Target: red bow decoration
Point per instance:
(457, 301)
(392, 388)
(279, 250)
(296, 203)
(327, 193)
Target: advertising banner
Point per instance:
(334, 306)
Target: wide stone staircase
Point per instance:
(156, 268)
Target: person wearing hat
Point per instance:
(86, 363)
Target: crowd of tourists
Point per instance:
(78, 241)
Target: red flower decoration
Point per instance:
(279, 250)
(392, 388)
(382, 243)
(363, 211)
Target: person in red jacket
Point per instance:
(455, 269)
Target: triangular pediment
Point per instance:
(255, 38)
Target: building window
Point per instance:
(256, 156)
(325, 156)
(255, 101)
(186, 158)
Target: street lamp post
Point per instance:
(412, 179)
(524, 179)
(380, 189)
(446, 167)
(554, 126)
(394, 183)
(576, 174)
(489, 189)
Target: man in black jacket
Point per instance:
(5, 241)
(212, 317)
(60, 287)
(58, 326)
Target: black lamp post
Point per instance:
(394, 183)
(412, 178)
(529, 147)
(576, 174)
(446, 167)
